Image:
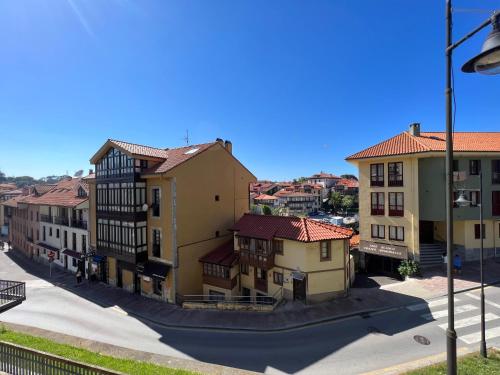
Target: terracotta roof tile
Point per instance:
(349, 183)
(265, 197)
(405, 143)
(63, 194)
(289, 227)
(354, 241)
(141, 150)
(223, 255)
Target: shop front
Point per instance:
(382, 258)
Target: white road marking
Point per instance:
(442, 313)
(118, 309)
(471, 321)
(437, 302)
(476, 336)
(473, 296)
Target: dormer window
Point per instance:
(81, 192)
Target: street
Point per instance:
(350, 346)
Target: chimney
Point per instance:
(229, 146)
(415, 129)
(221, 142)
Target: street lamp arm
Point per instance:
(488, 22)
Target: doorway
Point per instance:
(299, 290)
(426, 232)
(137, 283)
(119, 277)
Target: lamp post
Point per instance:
(462, 201)
(487, 62)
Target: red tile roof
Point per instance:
(8, 186)
(176, 156)
(354, 241)
(223, 255)
(323, 175)
(63, 194)
(405, 143)
(140, 150)
(289, 227)
(12, 202)
(264, 197)
(349, 183)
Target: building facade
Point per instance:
(402, 197)
(277, 256)
(158, 210)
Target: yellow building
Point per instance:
(157, 211)
(280, 256)
(402, 198)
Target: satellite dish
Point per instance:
(145, 207)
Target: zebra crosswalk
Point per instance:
(467, 316)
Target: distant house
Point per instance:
(326, 179)
(297, 203)
(266, 200)
(346, 186)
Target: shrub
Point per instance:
(408, 268)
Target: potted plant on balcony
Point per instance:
(408, 268)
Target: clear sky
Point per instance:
(295, 85)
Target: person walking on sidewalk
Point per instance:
(78, 277)
(457, 264)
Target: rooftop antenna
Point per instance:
(186, 138)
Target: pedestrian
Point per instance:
(78, 276)
(457, 264)
(445, 261)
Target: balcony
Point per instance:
(375, 182)
(395, 181)
(120, 253)
(220, 281)
(46, 218)
(82, 224)
(62, 220)
(377, 211)
(257, 259)
(396, 212)
(12, 293)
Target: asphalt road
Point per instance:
(350, 346)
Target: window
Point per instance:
(37, 217)
(495, 171)
(376, 174)
(156, 243)
(395, 174)
(244, 243)
(217, 198)
(65, 238)
(44, 234)
(156, 197)
(73, 262)
(396, 233)
(378, 231)
(157, 286)
(455, 165)
(475, 198)
(278, 247)
(325, 253)
(474, 167)
(84, 243)
(81, 192)
(244, 268)
(278, 278)
(377, 204)
(217, 233)
(73, 244)
(38, 234)
(477, 231)
(50, 232)
(396, 204)
(495, 200)
(260, 274)
(57, 233)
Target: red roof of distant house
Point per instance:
(289, 227)
(405, 143)
(8, 186)
(264, 197)
(223, 255)
(323, 175)
(63, 194)
(354, 241)
(349, 183)
(291, 193)
(12, 202)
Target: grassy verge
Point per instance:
(472, 364)
(126, 366)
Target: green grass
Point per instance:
(126, 366)
(472, 364)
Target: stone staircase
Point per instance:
(431, 254)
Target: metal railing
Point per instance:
(15, 359)
(46, 218)
(12, 293)
(82, 224)
(224, 302)
(61, 220)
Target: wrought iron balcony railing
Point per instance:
(12, 293)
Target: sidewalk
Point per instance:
(361, 301)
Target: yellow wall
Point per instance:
(410, 221)
(112, 270)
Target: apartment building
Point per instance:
(297, 202)
(402, 197)
(274, 256)
(158, 210)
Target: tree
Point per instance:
(266, 210)
(349, 177)
(335, 200)
(347, 202)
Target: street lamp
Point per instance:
(486, 62)
(462, 201)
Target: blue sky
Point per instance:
(296, 86)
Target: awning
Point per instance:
(298, 275)
(48, 247)
(153, 269)
(72, 253)
(98, 258)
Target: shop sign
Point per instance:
(383, 249)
